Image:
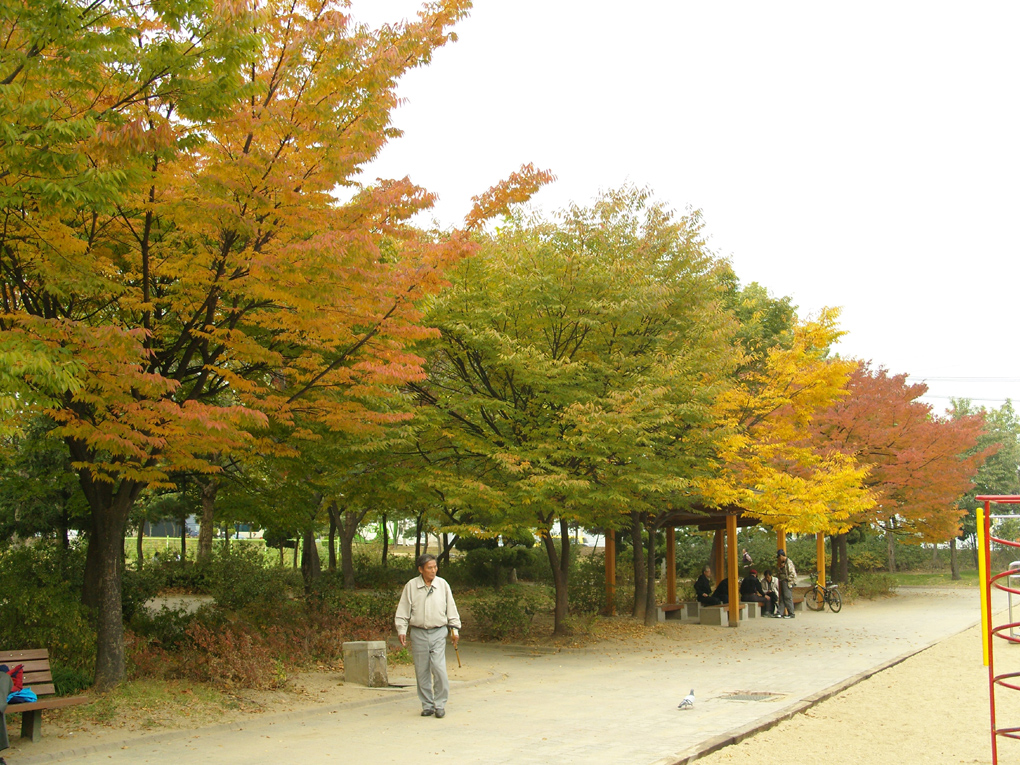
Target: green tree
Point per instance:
(39, 492)
(576, 370)
(999, 474)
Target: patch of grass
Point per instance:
(151, 704)
(935, 579)
(400, 656)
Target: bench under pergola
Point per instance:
(724, 521)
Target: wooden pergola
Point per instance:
(724, 522)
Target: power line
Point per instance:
(924, 378)
(947, 398)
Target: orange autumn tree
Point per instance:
(919, 465)
(172, 224)
(770, 467)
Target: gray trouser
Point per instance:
(428, 649)
(785, 598)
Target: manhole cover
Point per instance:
(752, 696)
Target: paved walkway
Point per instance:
(613, 704)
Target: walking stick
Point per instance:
(456, 650)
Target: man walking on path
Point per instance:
(787, 576)
(425, 612)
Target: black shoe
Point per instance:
(440, 714)
(427, 712)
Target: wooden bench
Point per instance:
(39, 678)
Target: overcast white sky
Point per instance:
(862, 155)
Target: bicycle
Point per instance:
(816, 598)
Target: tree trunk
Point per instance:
(417, 536)
(890, 551)
(311, 568)
(139, 552)
(953, 565)
(444, 555)
(184, 538)
(638, 611)
(226, 539)
(448, 545)
(650, 614)
(205, 531)
(347, 523)
(104, 568)
(842, 575)
(385, 539)
(559, 562)
(332, 542)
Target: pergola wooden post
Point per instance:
(731, 570)
(610, 572)
(671, 565)
(780, 540)
(718, 556)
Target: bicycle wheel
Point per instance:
(835, 602)
(813, 598)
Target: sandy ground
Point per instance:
(931, 708)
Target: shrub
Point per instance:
(69, 681)
(239, 578)
(376, 576)
(864, 560)
(40, 597)
(492, 566)
(868, 586)
(138, 587)
(369, 611)
(167, 628)
(178, 574)
(587, 591)
(505, 614)
(235, 657)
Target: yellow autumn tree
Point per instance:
(770, 466)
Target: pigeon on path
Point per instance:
(688, 701)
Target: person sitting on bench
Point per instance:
(771, 589)
(751, 591)
(703, 589)
(722, 592)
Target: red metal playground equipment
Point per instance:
(1000, 581)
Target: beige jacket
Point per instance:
(427, 606)
(787, 573)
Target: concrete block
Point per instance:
(691, 608)
(669, 611)
(715, 616)
(753, 609)
(365, 663)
